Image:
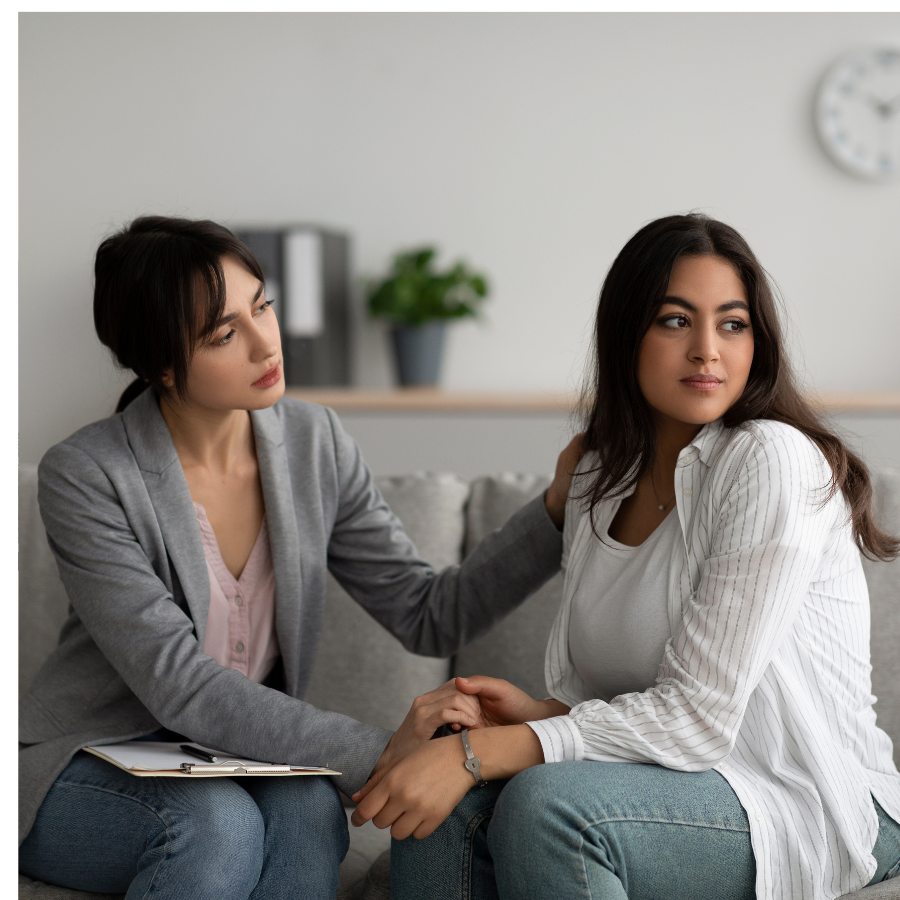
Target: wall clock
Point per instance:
(858, 112)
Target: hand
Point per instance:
(445, 705)
(558, 492)
(416, 794)
(503, 703)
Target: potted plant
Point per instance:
(418, 301)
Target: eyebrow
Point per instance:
(232, 316)
(725, 307)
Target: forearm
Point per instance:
(435, 614)
(503, 751)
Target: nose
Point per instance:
(266, 339)
(704, 346)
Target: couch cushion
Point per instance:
(38, 890)
(514, 648)
(367, 844)
(361, 670)
(883, 579)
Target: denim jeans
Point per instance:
(593, 831)
(101, 829)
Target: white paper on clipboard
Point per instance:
(162, 759)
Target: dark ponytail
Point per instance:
(159, 289)
(132, 392)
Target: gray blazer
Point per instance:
(130, 658)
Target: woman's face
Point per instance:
(695, 358)
(239, 366)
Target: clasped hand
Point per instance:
(418, 782)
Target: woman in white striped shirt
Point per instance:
(711, 723)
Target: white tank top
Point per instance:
(620, 623)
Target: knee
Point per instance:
(304, 812)
(225, 834)
(531, 807)
(532, 794)
(324, 812)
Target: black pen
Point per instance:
(200, 754)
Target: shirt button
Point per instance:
(239, 601)
(724, 767)
(758, 816)
(687, 492)
(239, 647)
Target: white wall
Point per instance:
(533, 145)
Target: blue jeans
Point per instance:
(101, 829)
(594, 831)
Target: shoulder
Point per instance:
(92, 446)
(766, 440)
(774, 458)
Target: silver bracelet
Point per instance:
(472, 763)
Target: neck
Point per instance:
(671, 438)
(211, 438)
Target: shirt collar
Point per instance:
(706, 445)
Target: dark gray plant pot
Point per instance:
(419, 350)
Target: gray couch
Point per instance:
(364, 672)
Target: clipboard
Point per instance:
(161, 759)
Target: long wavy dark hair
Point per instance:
(619, 424)
(159, 288)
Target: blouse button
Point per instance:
(239, 601)
(687, 492)
(239, 646)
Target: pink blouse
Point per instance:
(240, 627)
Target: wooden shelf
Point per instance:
(435, 400)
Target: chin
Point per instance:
(265, 399)
(697, 415)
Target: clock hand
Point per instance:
(884, 108)
(878, 105)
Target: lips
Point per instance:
(272, 376)
(701, 382)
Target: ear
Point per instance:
(168, 379)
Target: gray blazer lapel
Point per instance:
(164, 478)
(283, 537)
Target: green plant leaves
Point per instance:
(415, 293)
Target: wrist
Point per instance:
(504, 751)
(551, 708)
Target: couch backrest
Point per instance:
(883, 579)
(364, 672)
(514, 648)
(361, 670)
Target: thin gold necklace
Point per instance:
(661, 505)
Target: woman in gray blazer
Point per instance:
(204, 428)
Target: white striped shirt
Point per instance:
(766, 677)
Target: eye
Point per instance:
(225, 340)
(674, 322)
(735, 326)
(267, 304)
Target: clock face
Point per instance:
(858, 113)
